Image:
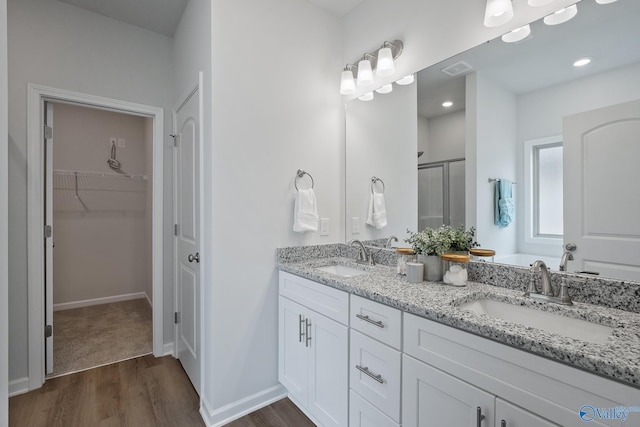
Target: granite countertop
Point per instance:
(618, 359)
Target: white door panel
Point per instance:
(601, 150)
(187, 211)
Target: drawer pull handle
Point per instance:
(377, 323)
(503, 423)
(365, 371)
(479, 416)
(300, 332)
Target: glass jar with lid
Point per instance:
(454, 267)
(484, 255)
(404, 255)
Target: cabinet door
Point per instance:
(328, 371)
(510, 415)
(292, 357)
(431, 398)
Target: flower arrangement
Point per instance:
(437, 241)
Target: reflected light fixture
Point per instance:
(365, 75)
(561, 16)
(366, 97)
(581, 62)
(497, 12)
(605, 1)
(347, 84)
(385, 89)
(517, 34)
(406, 80)
(536, 3)
(447, 104)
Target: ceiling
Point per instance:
(163, 16)
(607, 33)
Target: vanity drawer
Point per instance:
(364, 414)
(376, 320)
(323, 299)
(374, 373)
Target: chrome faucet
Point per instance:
(389, 240)
(566, 257)
(547, 293)
(364, 257)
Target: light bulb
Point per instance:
(366, 97)
(385, 66)
(347, 85)
(406, 80)
(385, 89)
(497, 12)
(561, 16)
(365, 75)
(536, 3)
(517, 34)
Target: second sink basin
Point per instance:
(341, 270)
(546, 321)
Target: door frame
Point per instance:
(176, 331)
(36, 94)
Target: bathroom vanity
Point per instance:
(361, 346)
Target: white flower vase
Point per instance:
(432, 267)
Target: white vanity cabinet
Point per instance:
(313, 348)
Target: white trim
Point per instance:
(35, 189)
(168, 349)
(149, 300)
(19, 386)
(4, 214)
(240, 408)
(98, 301)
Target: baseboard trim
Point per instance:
(19, 386)
(148, 300)
(168, 349)
(240, 408)
(98, 301)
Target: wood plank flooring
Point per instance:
(141, 392)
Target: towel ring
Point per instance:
(300, 174)
(374, 180)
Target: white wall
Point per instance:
(275, 111)
(59, 45)
(423, 138)
(4, 189)
(446, 137)
(381, 140)
(101, 238)
(540, 115)
(495, 142)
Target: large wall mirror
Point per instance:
(568, 137)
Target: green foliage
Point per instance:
(437, 241)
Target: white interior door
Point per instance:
(48, 244)
(187, 211)
(602, 201)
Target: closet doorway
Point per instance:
(96, 203)
(98, 259)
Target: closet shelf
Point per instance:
(62, 172)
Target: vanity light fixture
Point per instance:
(582, 62)
(385, 89)
(605, 1)
(366, 97)
(517, 34)
(382, 60)
(347, 84)
(536, 3)
(406, 80)
(497, 12)
(561, 16)
(447, 104)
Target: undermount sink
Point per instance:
(341, 270)
(546, 321)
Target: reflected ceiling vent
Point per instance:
(457, 68)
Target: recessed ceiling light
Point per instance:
(447, 104)
(581, 62)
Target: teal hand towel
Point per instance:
(504, 203)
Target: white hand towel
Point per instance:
(305, 213)
(377, 215)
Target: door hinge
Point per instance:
(175, 229)
(175, 139)
(48, 231)
(48, 331)
(48, 132)
(176, 318)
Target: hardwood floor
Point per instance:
(141, 392)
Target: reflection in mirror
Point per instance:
(508, 97)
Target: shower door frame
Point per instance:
(446, 189)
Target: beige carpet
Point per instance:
(92, 336)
